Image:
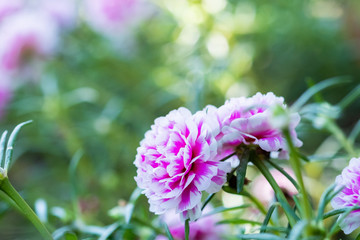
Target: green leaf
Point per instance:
(317, 88)
(208, 199)
(224, 209)
(109, 230)
(348, 99)
(260, 236)
(70, 236)
(283, 172)
(168, 233)
(11, 143)
(238, 221)
(131, 205)
(354, 133)
(241, 171)
(324, 201)
(2, 148)
(297, 230)
(268, 216)
(338, 211)
(73, 179)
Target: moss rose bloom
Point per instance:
(176, 162)
(349, 196)
(249, 121)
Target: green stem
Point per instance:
(7, 188)
(187, 229)
(278, 192)
(296, 165)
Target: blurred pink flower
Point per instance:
(248, 121)
(176, 162)
(24, 36)
(115, 17)
(349, 179)
(7, 7)
(64, 12)
(262, 190)
(204, 228)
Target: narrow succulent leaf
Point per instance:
(2, 148)
(241, 172)
(280, 169)
(338, 211)
(324, 201)
(224, 209)
(131, 205)
(297, 230)
(109, 231)
(335, 227)
(268, 217)
(317, 88)
(348, 99)
(73, 178)
(11, 142)
(354, 133)
(168, 233)
(207, 200)
(238, 221)
(260, 236)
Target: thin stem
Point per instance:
(295, 162)
(7, 188)
(187, 229)
(278, 192)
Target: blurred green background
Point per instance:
(100, 95)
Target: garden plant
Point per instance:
(185, 120)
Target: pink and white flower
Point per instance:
(176, 162)
(204, 228)
(262, 190)
(248, 121)
(349, 179)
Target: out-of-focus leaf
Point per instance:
(239, 221)
(317, 88)
(224, 209)
(109, 231)
(268, 217)
(2, 148)
(297, 230)
(70, 236)
(352, 96)
(11, 142)
(168, 233)
(260, 236)
(41, 209)
(131, 205)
